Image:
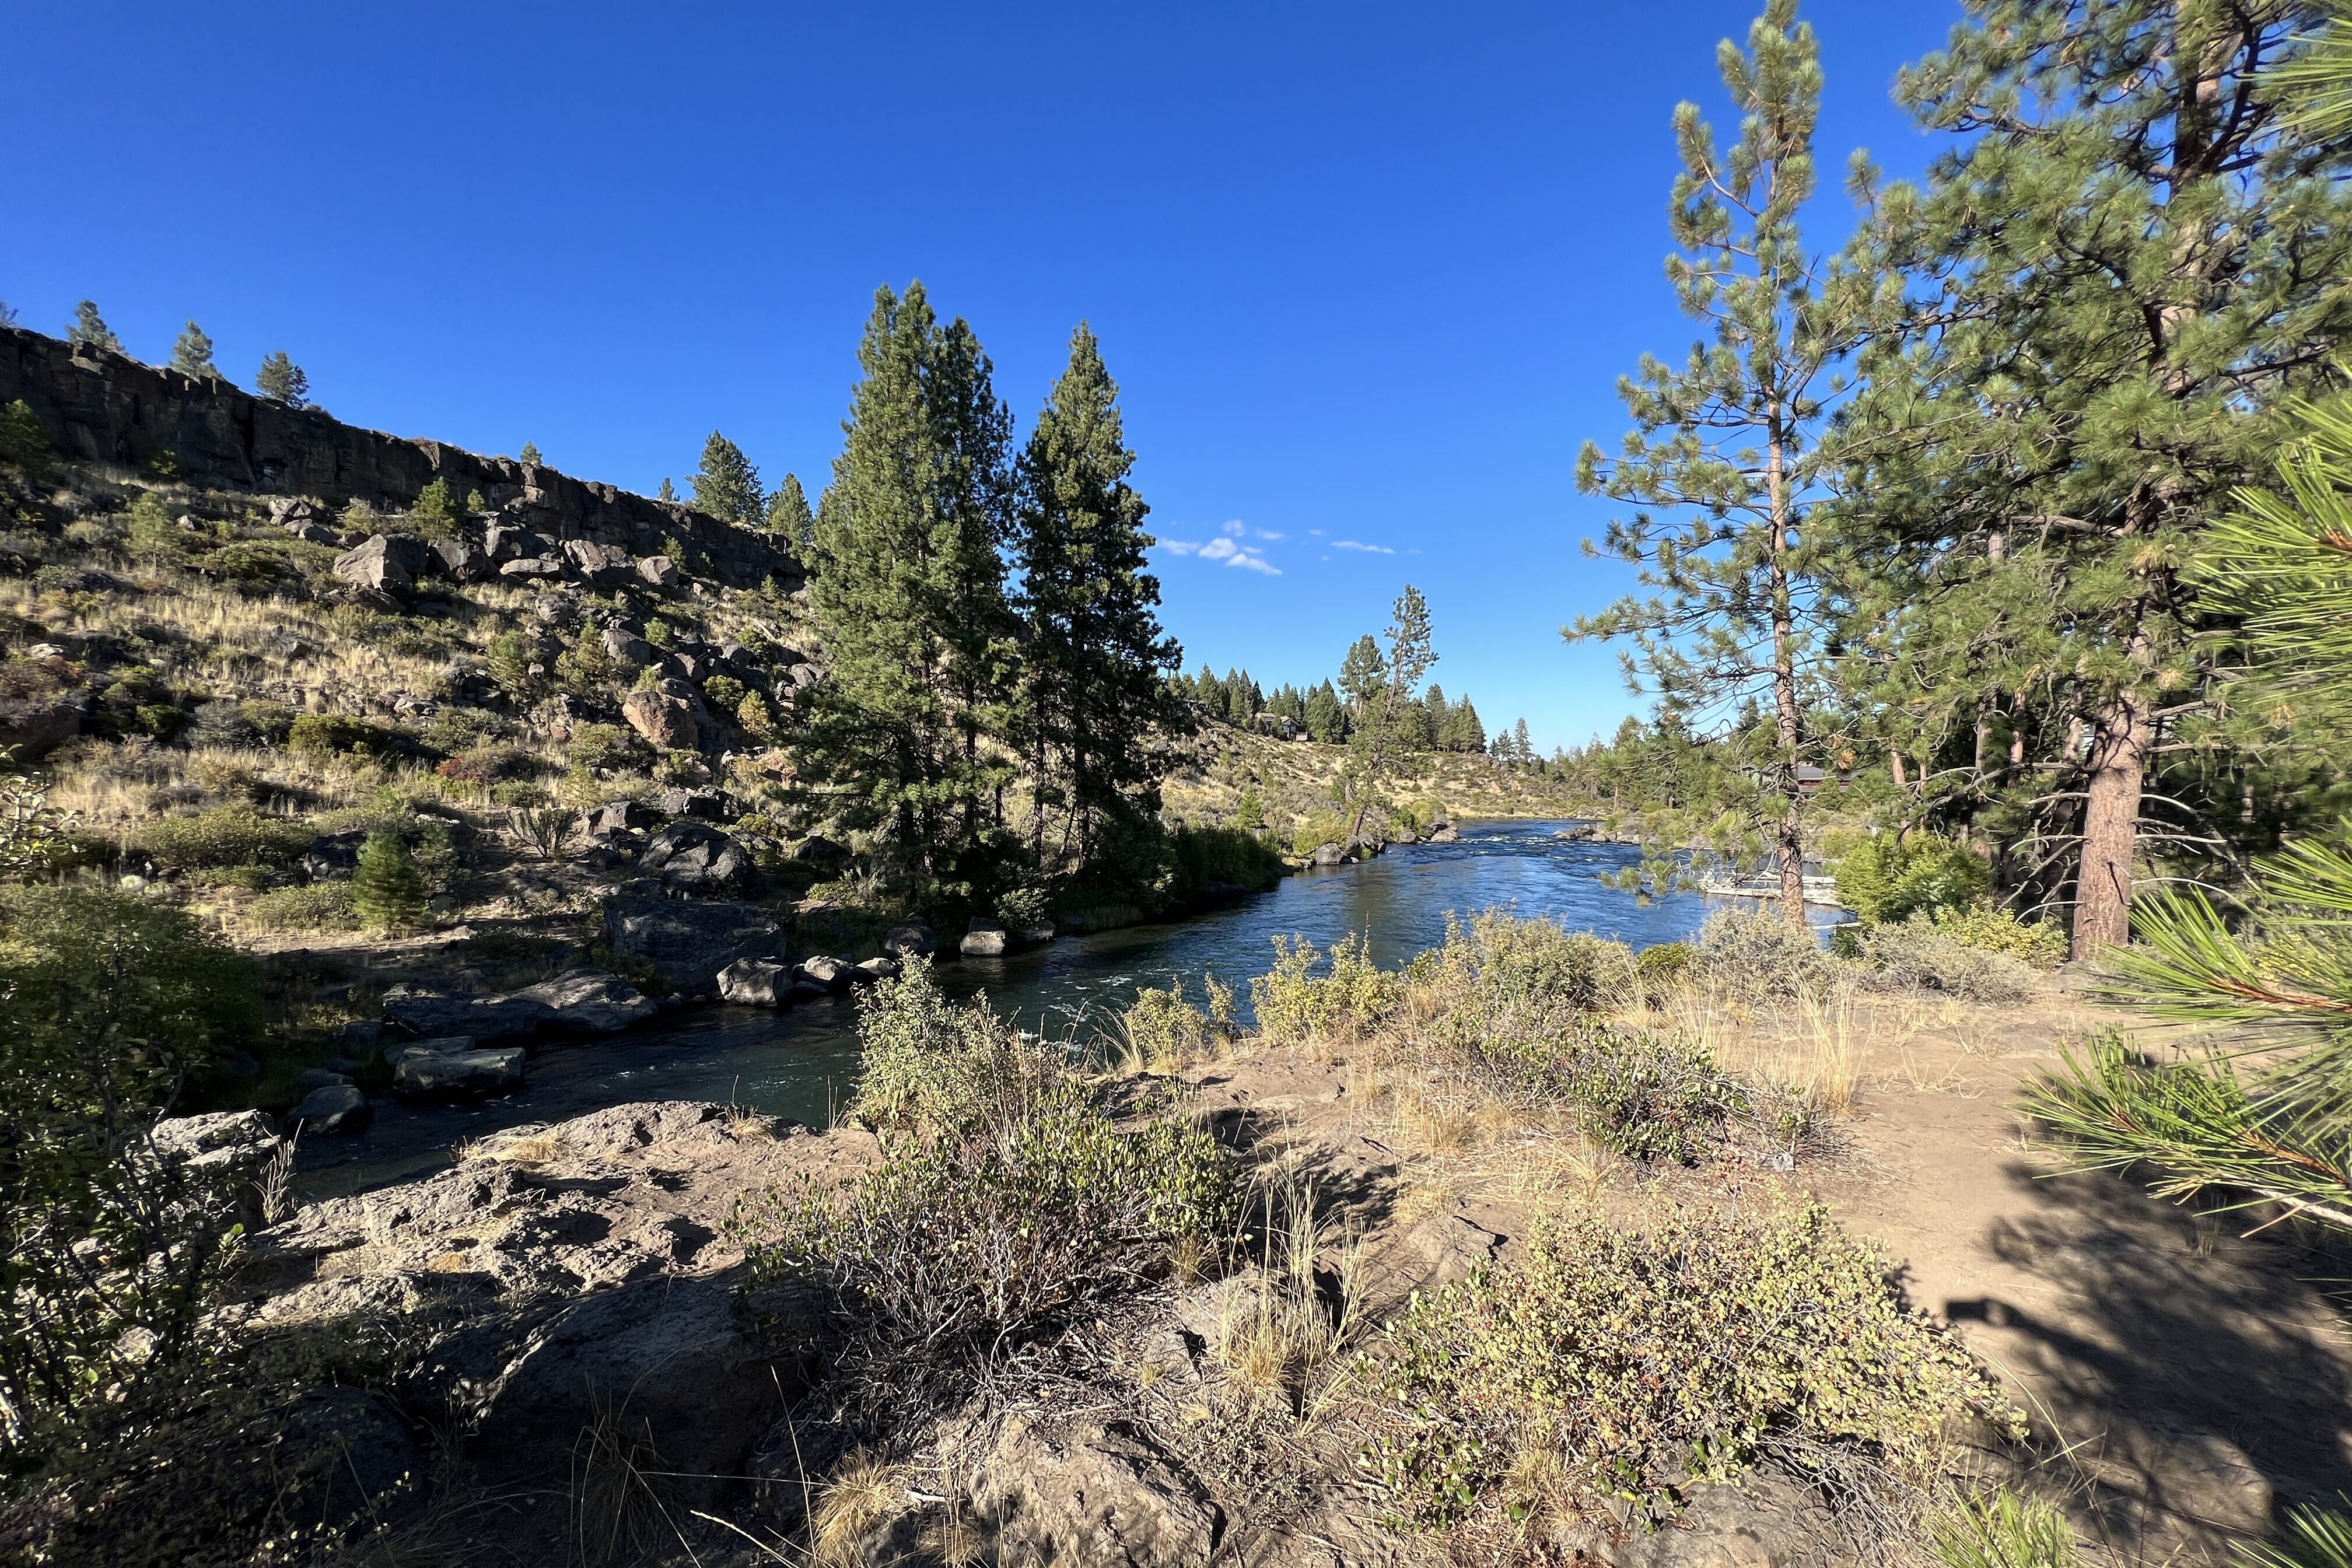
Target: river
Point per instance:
(800, 1063)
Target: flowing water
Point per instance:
(802, 1063)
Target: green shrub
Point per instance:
(1661, 968)
(247, 562)
(1161, 1030)
(23, 443)
(1920, 954)
(603, 746)
(1998, 931)
(1022, 908)
(2310, 1538)
(152, 534)
(1754, 956)
(510, 657)
(724, 693)
(1249, 811)
(1233, 856)
(1647, 1096)
(2003, 1530)
(273, 721)
(222, 837)
(1320, 828)
(756, 719)
(109, 1004)
(1886, 877)
(320, 906)
(1294, 1004)
(337, 735)
(1514, 962)
(1601, 1369)
(387, 888)
(933, 1068)
(435, 514)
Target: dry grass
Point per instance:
(1277, 1338)
(522, 1146)
(860, 1495)
(616, 1512)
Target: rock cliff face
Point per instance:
(106, 408)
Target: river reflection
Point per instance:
(800, 1063)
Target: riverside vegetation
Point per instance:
(1998, 565)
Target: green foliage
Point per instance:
(1225, 856)
(1249, 811)
(1661, 967)
(387, 887)
(603, 747)
(1295, 1004)
(726, 486)
(788, 514)
(222, 836)
(1382, 686)
(1160, 1031)
(109, 1005)
(1319, 828)
(586, 669)
(756, 719)
(151, 534)
(1890, 877)
(340, 734)
(434, 513)
(23, 443)
(316, 906)
(529, 454)
(280, 380)
(1596, 1370)
(2311, 1538)
(34, 834)
(89, 329)
(2197, 1123)
(192, 353)
(1991, 930)
(2002, 1529)
(1922, 954)
(1092, 687)
(724, 693)
(1327, 718)
(509, 658)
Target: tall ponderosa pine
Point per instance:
(1382, 685)
(726, 486)
(1731, 441)
(2124, 266)
(788, 514)
(89, 329)
(1096, 663)
(280, 380)
(192, 353)
(908, 590)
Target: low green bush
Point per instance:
(1539, 962)
(1756, 956)
(1161, 1030)
(337, 735)
(1616, 1367)
(1998, 931)
(1233, 856)
(319, 906)
(1294, 1004)
(1320, 828)
(224, 836)
(2001, 1530)
(1886, 877)
(1661, 968)
(248, 562)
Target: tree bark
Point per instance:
(2124, 735)
(1791, 833)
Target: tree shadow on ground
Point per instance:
(2204, 1379)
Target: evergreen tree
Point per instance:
(280, 380)
(435, 514)
(1731, 441)
(1327, 718)
(89, 329)
(1441, 719)
(667, 492)
(1379, 683)
(192, 353)
(530, 454)
(2120, 270)
(1465, 734)
(788, 514)
(1093, 684)
(908, 590)
(1523, 750)
(387, 888)
(727, 486)
(1210, 692)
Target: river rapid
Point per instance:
(802, 1063)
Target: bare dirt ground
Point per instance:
(2187, 1382)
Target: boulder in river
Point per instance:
(695, 858)
(986, 938)
(590, 1000)
(823, 969)
(462, 1075)
(910, 941)
(229, 1146)
(431, 1013)
(338, 1108)
(1330, 855)
(756, 983)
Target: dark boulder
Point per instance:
(694, 857)
(689, 941)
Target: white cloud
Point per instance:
(1226, 548)
(1218, 549)
(1255, 563)
(1266, 533)
(1237, 527)
(1180, 546)
(1368, 549)
(1315, 533)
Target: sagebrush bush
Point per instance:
(1921, 954)
(1616, 1365)
(930, 1068)
(1320, 828)
(1754, 956)
(1512, 961)
(222, 837)
(319, 906)
(335, 734)
(1661, 968)
(1161, 1030)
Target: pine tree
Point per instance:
(667, 492)
(530, 455)
(89, 329)
(1379, 683)
(387, 888)
(1731, 441)
(2120, 273)
(1327, 718)
(435, 514)
(788, 514)
(1523, 750)
(1468, 733)
(1094, 684)
(726, 486)
(908, 590)
(280, 380)
(192, 353)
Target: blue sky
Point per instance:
(1367, 274)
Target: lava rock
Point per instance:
(665, 719)
(462, 560)
(620, 815)
(1330, 855)
(823, 969)
(816, 850)
(320, 1077)
(690, 942)
(695, 858)
(429, 1012)
(986, 938)
(709, 805)
(590, 1000)
(910, 941)
(384, 563)
(883, 968)
(754, 982)
(338, 1108)
(463, 1075)
(658, 570)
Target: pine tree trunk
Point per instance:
(1792, 827)
(2124, 737)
